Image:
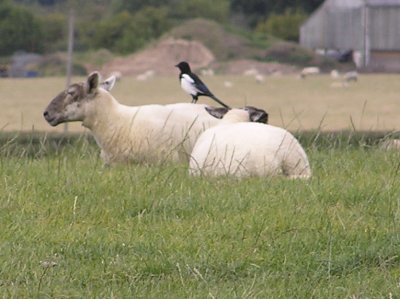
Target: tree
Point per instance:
(254, 11)
(54, 28)
(19, 30)
(285, 26)
(125, 32)
(208, 9)
(135, 6)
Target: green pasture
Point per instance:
(316, 103)
(71, 228)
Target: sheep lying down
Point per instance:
(240, 148)
(149, 133)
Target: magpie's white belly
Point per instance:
(188, 86)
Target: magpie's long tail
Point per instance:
(219, 101)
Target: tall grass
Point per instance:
(71, 228)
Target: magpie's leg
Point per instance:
(194, 99)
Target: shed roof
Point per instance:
(343, 3)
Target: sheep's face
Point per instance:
(69, 105)
(257, 115)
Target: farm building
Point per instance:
(370, 28)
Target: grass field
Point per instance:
(154, 232)
(71, 228)
(371, 104)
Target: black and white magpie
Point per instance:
(192, 84)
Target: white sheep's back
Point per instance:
(248, 149)
(162, 130)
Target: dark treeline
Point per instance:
(124, 26)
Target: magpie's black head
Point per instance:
(183, 67)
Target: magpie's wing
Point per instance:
(200, 86)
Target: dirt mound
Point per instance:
(207, 44)
(225, 45)
(161, 58)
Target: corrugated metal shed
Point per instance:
(360, 25)
(343, 24)
(382, 3)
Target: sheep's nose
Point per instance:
(45, 114)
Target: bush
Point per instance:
(125, 33)
(54, 29)
(208, 9)
(284, 26)
(19, 30)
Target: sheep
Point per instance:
(149, 133)
(307, 71)
(228, 84)
(391, 144)
(259, 78)
(207, 72)
(109, 83)
(335, 75)
(251, 72)
(238, 148)
(348, 77)
(254, 114)
(254, 73)
(351, 76)
(145, 76)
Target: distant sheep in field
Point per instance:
(391, 144)
(239, 148)
(149, 133)
(207, 72)
(251, 72)
(344, 80)
(308, 71)
(228, 84)
(335, 74)
(259, 78)
(351, 76)
(256, 74)
(145, 76)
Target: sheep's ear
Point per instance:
(93, 81)
(108, 84)
(257, 115)
(217, 112)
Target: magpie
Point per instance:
(192, 84)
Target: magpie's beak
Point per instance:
(176, 65)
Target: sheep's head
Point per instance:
(69, 105)
(253, 114)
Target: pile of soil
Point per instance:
(161, 58)
(207, 44)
